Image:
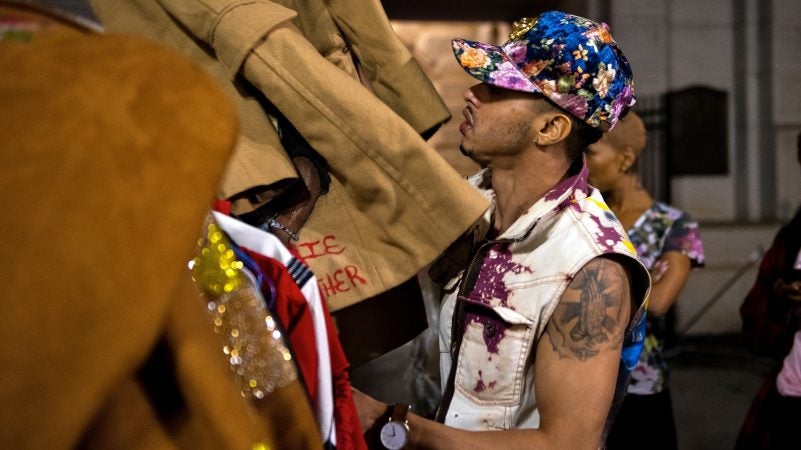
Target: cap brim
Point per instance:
(491, 64)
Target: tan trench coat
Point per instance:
(394, 204)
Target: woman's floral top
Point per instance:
(659, 230)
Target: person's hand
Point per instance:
(789, 291)
(369, 409)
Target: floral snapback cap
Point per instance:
(571, 60)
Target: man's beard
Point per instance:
(466, 152)
(472, 155)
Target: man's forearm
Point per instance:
(430, 435)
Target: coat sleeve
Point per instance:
(231, 27)
(234, 27)
(388, 66)
(388, 181)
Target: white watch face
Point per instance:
(394, 435)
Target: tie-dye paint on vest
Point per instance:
(507, 295)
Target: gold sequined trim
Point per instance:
(251, 338)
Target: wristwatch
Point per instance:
(395, 433)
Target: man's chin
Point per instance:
(465, 151)
(472, 155)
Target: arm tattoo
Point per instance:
(593, 312)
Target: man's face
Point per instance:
(497, 122)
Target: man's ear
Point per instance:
(554, 128)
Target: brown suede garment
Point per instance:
(111, 150)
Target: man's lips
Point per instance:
(468, 120)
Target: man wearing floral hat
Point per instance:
(540, 296)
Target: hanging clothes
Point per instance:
(252, 339)
(113, 145)
(290, 306)
(295, 315)
(333, 394)
(341, 76)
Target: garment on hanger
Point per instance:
(293, 312)
(289, 303)
(253, 340)
(261, 242)
(354, 92)
(241, 300)
(296, 294)
(112, 147)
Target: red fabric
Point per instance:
(346, 418)
(222, 206)
(293, 312)
(292, 309)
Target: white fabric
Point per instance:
(788, 382)
(266, 244)
(521, 283)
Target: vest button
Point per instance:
(489, 330)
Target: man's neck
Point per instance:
(520, 184)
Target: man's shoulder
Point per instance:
(601, 228)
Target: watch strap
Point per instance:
(400, 412)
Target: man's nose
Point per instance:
(470, 94)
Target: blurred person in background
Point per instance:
(771, 316)
(669, 244)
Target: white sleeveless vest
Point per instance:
(513, 284)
